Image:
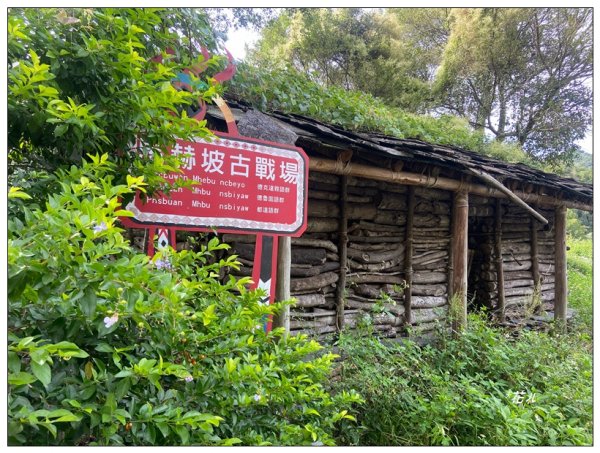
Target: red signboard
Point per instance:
(244, 185)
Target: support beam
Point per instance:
(460, 230)
(560, 263)
(282, 290)
(408, 255)
(343, 252)
(500, 308)
(416, 179)
(535, 262)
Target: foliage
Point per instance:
(223, 19)
(353, 48)
(579, 224)
(521, 74)
(303, 37)
(482, 388)
(291, 91)
(82, 80)
(580, 276)
(110, 347)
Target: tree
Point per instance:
(86, 80)
(108, 346)
(327, 43)
(522, 75)
(355, 49)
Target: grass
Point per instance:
(579, 274)
(483, 388)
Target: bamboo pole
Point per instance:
(282, 287)
(343, 252)
(511, 196)
(460, 214)
(408, 254)
(560, 272)
(415, 179)
(499, 264)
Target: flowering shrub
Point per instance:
(110, 347)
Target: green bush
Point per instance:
(482, 388)
(110, 347)
(288, 90)
(580, 275)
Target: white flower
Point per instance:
(189, 379)
(257, 397)
(108, 322)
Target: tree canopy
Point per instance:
(521, 75)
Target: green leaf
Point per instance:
(50, 427)
(66, 349)
(88, 302)
(164, 429)
(14, 362)
(122, 388)
(15, 192)
(60, 130)
(231, 441)
(63, 415)
(183, 434)
(20, 378)
(208, 315)
(124, 373)
(104, 347)
(42, 372)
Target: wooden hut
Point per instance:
(405, 233)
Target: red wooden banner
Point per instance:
(242, 185)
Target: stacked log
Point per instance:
(430, 262)
(525, 252)
(545, 251)
(314, 286)
(376, 251)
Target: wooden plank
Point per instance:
(282, 286)
(535, 264)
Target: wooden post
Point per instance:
(408, 254)
(460, 230)
(343, 252)
(282, 290)
(500, 308)
(560, 263)
(535, 263)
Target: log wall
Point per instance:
(523, 250)
(377, 239)
(376, 258)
